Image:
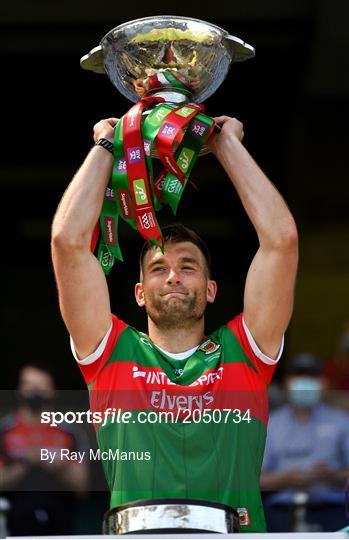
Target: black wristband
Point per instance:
(106, 144)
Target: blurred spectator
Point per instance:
(42, 494)
(306, 461)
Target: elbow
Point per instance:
(290, 236)
(286, 238)
(63, 241)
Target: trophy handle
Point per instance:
(238, 49)
(93, 61)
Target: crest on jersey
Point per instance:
(244, 518)
(209, 347)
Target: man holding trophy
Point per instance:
(202, 465)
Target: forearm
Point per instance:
(264, 205)
(81, 203)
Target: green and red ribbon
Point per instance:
(133, 194)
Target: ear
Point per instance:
(211, 291)
(139, 294)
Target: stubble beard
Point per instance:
(176, 313)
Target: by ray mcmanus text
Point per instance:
(65, 454)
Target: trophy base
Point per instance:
(168, 516)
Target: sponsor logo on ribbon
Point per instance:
(146, 145)
(109, 194)
(109, 225)
(174, 185)
(184, 159)
(158, 116)
(159, 182)
(198, 129)
(168, 129)
(134, 154)
(106, 259)
(121, 167)
(124, 203)
(146, 220)
(140, 192)
(131, 117)
(185, 111)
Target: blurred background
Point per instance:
(293, 99)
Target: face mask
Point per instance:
(34, 402)
(304, 392)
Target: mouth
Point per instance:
(174, 294)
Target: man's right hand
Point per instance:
(104, 129)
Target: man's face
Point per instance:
(174, 286)
(35, 389)
(34, 381)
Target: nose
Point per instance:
(173, 277)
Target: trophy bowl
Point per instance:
(149, 55)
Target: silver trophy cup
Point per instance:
(199, 51)
(178, 58)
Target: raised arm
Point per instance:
(82, 287)
(269, 288)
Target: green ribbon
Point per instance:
(186, 156)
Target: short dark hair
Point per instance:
(179, 233)
(306, 364)
(39, 366)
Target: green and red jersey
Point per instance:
(217, 455)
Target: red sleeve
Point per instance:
(90, 371)
(265, 370)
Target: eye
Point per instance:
(158, 269)
(188, 268)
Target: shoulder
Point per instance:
(264, 365)
(92, 364)
(334, 413)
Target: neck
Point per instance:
(176, 339)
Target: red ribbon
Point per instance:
(171, 131)
(137, 172)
